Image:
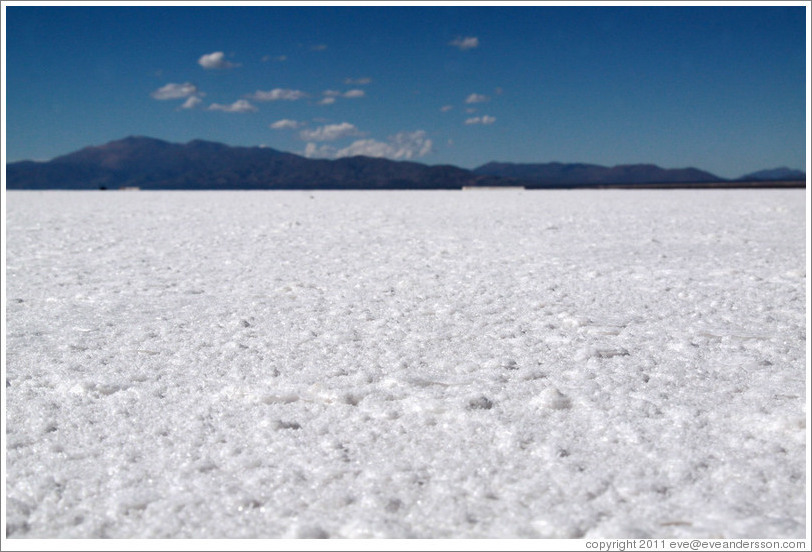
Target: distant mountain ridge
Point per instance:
(153, 164)
(781, 173)
(582, 173)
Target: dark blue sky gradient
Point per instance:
(718, 88)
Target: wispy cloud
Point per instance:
(466, 43)
(358, 82)
(355, 93)
(240, 106)
(318, 47)
(484, 120)
(215, 60)
(329, 133)
(274, 58)
(277, 94)
(476, 98)
(330, 96)
(285, 124)
(404, 145)
(446, 108)
(191, 102)
(174, 91)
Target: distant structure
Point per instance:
(129, 189)
(491, 188)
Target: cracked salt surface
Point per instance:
(506, 364)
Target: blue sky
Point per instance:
(721, 88)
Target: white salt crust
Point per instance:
(502, 364)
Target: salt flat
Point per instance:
(506, 364)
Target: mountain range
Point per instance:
(152, 164)
(582, 173)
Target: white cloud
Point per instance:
(240, 106)
(173, 91)
(328, 133)
(369, 147)
(446, 108)
(285, 124)
(404, 145)
(277, 94)
(466, 43)
(191, 102)
(320, 152)
(327, 101)
(215, 60)
(476, 98)
(484, 120)
(318, 47)
(358, 82)
(274, 58)
(355, 93)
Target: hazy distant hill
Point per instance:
(781, 173)
(586, 174)
(148, 163)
